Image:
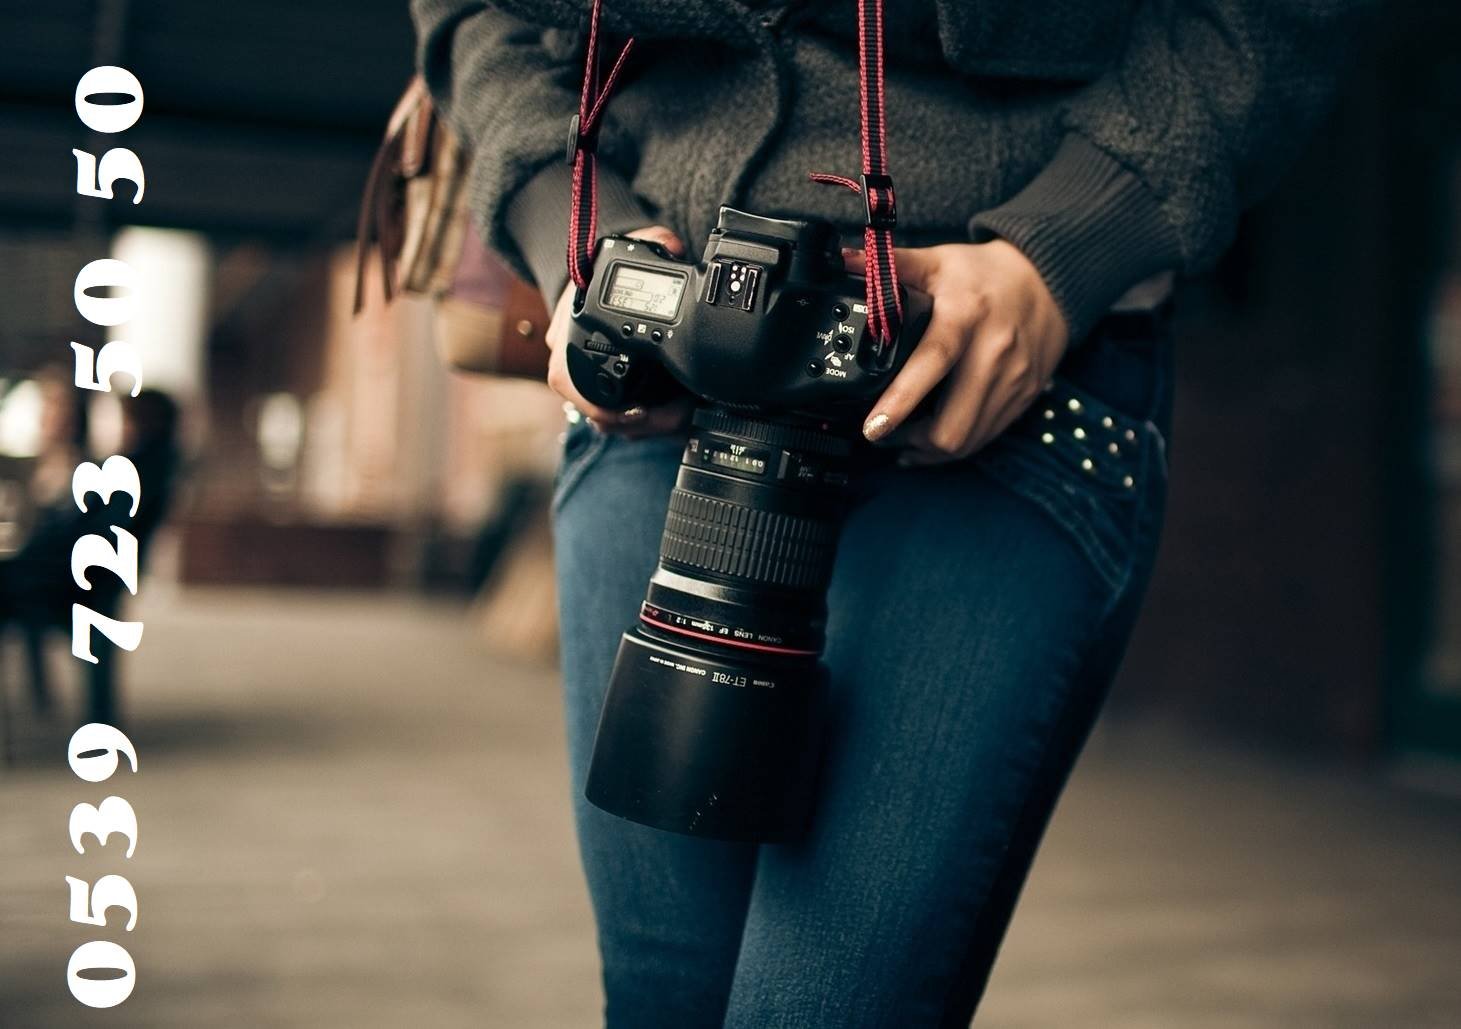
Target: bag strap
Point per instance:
(379, 221)
(875, 185)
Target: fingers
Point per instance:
(961, 402)
(981, 398)
(983, 394)
(943, 344)
(916, 267)
(661, 420)
(995, 335)
(926, 367)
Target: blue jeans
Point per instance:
(977, 614)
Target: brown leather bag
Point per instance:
(414, 214)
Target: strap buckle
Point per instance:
(579, 140)
(881, 210)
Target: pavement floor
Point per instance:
(352, 815)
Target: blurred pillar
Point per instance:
(171, 326)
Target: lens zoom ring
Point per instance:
(744, 543)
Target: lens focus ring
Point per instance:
(777, 434)
(755, 546)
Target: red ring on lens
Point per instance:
(726, 642)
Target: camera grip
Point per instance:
(594, 376)
(609, 377)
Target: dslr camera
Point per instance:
(714, 714)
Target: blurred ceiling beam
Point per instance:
(260, 118)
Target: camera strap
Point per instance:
(583, 141)
(874, 185)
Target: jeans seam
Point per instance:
(1096, 630)
(1078, 653)
(1048, 500)
(1105, 565)
(575, 468)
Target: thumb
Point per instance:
(663, 236)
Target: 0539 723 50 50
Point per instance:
(101, 973)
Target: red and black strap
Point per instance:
(583, 139)
(880, 207)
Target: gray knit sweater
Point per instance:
(1107, 139)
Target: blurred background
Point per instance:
(352, 806)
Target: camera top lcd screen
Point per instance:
(641, 291)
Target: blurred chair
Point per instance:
(36, 586)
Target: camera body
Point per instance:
(768, 320)
(714, 716)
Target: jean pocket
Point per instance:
(582, 446)
(1088, 465)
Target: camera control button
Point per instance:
(840, 312)
(657, 335)
(815, 367)
(626, 330)
(620, 367)
(842, 344)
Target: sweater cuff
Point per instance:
(1091, 228)
(537, 220)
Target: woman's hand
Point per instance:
(636, 421)
(994, 340)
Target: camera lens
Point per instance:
(713, 717)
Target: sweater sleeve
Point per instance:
(1209, 102)
(509, 90)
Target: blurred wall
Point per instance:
(1291, 599)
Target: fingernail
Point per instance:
(875, 427)
(632, 414)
